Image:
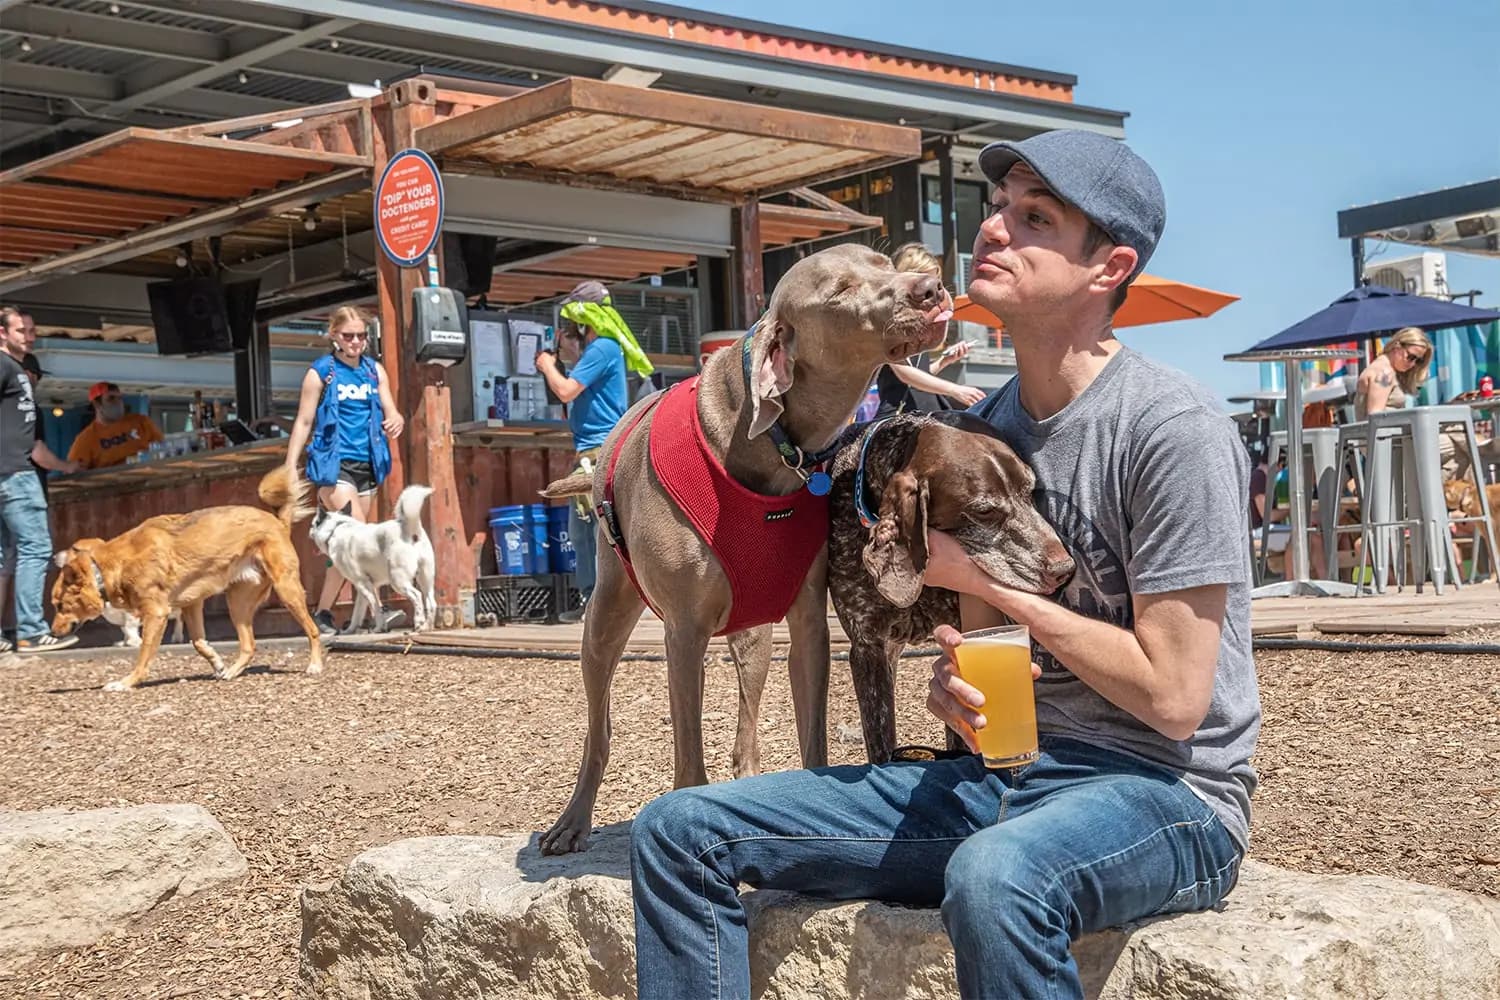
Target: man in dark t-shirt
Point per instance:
(23, 508)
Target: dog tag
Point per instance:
(818, 484)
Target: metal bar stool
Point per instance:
(1434, 553)
(1381, 465)
(1320, 450)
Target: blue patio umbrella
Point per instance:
(1369, 312)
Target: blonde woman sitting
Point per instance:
(1396, 375)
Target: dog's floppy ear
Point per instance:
(348, 509)
(772, 358)
(82, 547)
(896, 554)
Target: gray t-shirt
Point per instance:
(1145, 481)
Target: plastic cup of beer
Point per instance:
(997, 661)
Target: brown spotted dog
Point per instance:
(893, 482)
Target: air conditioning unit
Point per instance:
(1424, 274)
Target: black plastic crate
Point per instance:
(517, 598)
(567, 597)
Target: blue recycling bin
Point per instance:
(536, 537)
(511, 530)
(560, 554)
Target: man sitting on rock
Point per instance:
(1147, 704)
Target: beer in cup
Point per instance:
(997, 661)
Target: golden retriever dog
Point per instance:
(176, 561)
(1463, 501)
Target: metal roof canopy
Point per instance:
(136, 191)
(1462, 219)
(550, 275)
(615, 136)
(90, 66)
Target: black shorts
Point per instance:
(359, 475)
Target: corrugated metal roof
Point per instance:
(406, 59)
(79, 58)
(142, 14)
(275, 86)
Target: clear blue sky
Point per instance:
(1263, 119)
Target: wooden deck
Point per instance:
(1407, 613)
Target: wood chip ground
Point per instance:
(1370, 762)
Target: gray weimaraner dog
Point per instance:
(834, 318)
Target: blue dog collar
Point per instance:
(866, 519)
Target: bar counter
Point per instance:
(257, 456)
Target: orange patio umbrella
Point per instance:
(1150, 300)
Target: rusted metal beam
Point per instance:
(308, 113)
(592, 182)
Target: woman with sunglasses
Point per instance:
(1394, 376)
(346, 419)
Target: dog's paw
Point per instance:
(315, 668)
(566, 837)
(117, 686)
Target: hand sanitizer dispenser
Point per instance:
(440, 323)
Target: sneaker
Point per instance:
(392, 617)
(6, 645)
(326, 628)
(571, 617)
(46, 643)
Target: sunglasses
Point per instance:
(1414, 356)
(354, 335)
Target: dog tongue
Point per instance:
(943, 316)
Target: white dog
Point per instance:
(395, 552)
(130, 625)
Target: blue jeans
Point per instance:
(1021, 863)
(23, 509)
(585, 546)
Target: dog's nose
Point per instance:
(926, 291)
(1060, 573)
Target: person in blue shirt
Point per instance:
(594, 343)
(346, 420)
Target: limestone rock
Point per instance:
(484, 917)
(67, 878)
(474, 918)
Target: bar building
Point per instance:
(686, 159)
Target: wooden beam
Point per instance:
(206, 222)
(140, 139)
(749, 272)
(424, 454)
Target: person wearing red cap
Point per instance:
(115, 434)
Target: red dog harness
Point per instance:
(766, 544)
